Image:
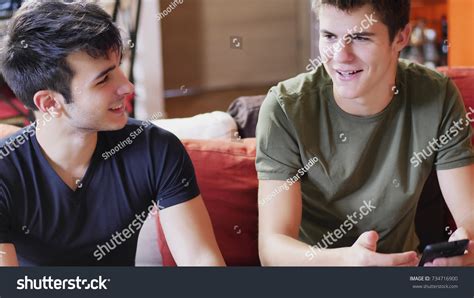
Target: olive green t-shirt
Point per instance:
(347, 163)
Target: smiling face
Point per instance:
(363, 65)
(99, 88)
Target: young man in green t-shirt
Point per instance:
(343, 151)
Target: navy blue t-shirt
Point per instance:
(131, 170)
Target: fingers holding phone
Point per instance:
(459, 251)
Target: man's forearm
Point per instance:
(458, 191)
(190, 236)
(468, 225)
(281, 250)
(465, 220)
(207, 259)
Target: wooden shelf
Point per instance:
(432, 11)
(460, 23)
(416, 3)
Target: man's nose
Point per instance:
(126, 87)
(344, 54)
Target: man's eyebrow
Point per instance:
(327, 32)
(364, 34)
(103, 73)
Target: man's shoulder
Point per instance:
(303, 92)
(142, 135)
(303, 84)
(16, 151)
(22, 133)
(420, 77)
(18, 143)
(135, 128)
(427, 90)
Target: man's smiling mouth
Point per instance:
(347, 75)
(118, 108)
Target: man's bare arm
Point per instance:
(279, 222)
(190, 235)
(8, 255)
(457, 186)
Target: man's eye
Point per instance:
(328, 36)
(104, 80)
(360, 38)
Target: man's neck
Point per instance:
(68, 150)
(374, 101)
(365, 106)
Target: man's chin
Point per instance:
(115, 125)
(346, 94)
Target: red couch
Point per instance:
(228, 181)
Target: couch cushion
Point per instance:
(245, 111)
(10, 107)
(463, 77)
(215, 125)
(6, 130)
(229, 186)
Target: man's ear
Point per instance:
(46, 102)
(402, 38)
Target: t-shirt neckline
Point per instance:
(328, 89)
(59, 181)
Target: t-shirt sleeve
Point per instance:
(455, 133)
(278, 155)
(176, 180)
(5, 235)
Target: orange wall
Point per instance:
(461, 32)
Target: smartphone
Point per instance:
(443, 250)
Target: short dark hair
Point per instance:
(42, 35)
(395, 14)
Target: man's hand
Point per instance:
(8, 255)
(363, 253)
(466, 260)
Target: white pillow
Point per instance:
(215, 125)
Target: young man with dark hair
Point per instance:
(363, 114)
(61, 202)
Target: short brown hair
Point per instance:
(395, 14)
